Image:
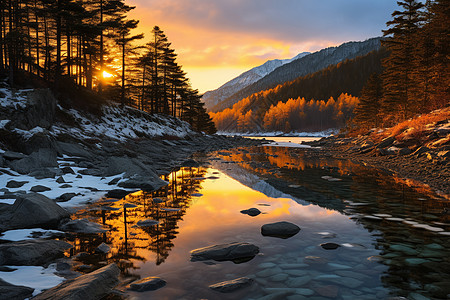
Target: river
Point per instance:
(391, 240)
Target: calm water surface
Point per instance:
(394, 240)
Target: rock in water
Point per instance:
(231, 285)
(94, 285)
(117, 193)
(147, 223)
(282, 230)
(33, 210)
(103, 248)
(147, 284)
(253, 212)
(236, 252)
(35, 252)
(329, 246)
(82, 226)
(9, 291)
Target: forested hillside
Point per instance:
(308, 64)
(321, 87)
(70, 45)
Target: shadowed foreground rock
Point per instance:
(90, 286)
(147, 284)
(282, 230)
(35, 252)
(231, 285)
(9, 291)
(236, 252)
(32, 210)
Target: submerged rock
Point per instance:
(233, 251)
(253, 212)
(231, 285)
(282, 230)
(35, 252)
(147, 284)
(94, 285)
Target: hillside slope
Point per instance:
(306, 65)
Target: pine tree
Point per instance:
(368, 109)
(398, 80)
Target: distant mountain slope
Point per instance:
(249, 114)
(212, 98)
(303, 66)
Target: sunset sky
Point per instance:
(218, 39)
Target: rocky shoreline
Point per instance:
(420, 164)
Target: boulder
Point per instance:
(124, 164)
(33, 210)
(103, 248)
(282, 230)
(148, 184)
(36, 252)
(9, 291)
(95, 285)
(82, 226)
(330, 246)
(117, 193)
(43, 173)
(67, 170)
(147, 284)
(253, 212)
(11, 155)
(15, 184)
(231, 285)
(190, 163)
(73, 150)
(65, 197)
(42, 158)
(233, 251)
(40, 188)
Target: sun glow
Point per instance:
(107, 75)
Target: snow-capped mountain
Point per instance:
(211, 98)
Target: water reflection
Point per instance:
(394, 239)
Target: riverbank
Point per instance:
(419, 158)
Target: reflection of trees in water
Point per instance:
(365, 191)
(129, 241)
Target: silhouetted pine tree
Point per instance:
(367, 112)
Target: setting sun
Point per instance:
(107, 75)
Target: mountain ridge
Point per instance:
(212, 98)
(303, 66)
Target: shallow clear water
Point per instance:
(394, 240)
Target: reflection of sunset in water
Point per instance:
(201, 207)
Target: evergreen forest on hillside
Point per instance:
(90, 47)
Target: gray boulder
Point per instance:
(35, 252)
(234, 251)
(282, 230)
(129, 166)
(147, 284)
(37, 160)
(95, 285)
(73, 150)
(33, 210)
(143, 183)
(11, 155)
(231, 285)
(65, 197)
(82, 226)
(12, 292)
(40, 188)
(15, 184)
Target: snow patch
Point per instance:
(25, 234)
(38, 278)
